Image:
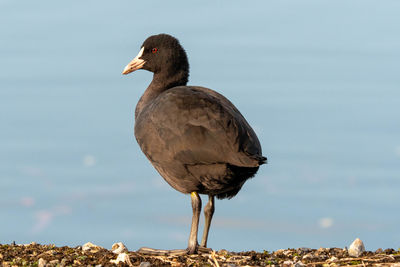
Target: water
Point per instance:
(318, 80)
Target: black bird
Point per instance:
(196, 138)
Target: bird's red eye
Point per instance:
(154, 50)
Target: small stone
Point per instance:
(42, 262)
(223, 252)
(379, 250)
(309, 256)
(288, 263)
(279, 252)
(145, 264)
(63, 262)
(332, 259)
(124, 258)
(287, 253)
(90, 247)
(53, 263)
(299, 264)
(119, 248)
(356, 248)
(30, 244)
(389, 251)
(303, 250)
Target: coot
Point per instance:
(196, 138)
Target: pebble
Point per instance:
(304, 250)
(145, 264)
(356, 248)
(124, 258)
(282, 252)
(53, 263)
(30, 244)
(332, 259)
(287, 253)
(90, 247)
(223, 252)
(42, 262)
(119, 248)
(309, 256)
(288, 263)
(299, 264)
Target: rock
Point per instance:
(389, 251)
(30, 244)
(379, 250)
(279, 252)
(332, 259)
(42, 262)
(287, 253)
(63, 262)
(53, 263)
(356, 248)
(303, 250)
(299, 264)
(119, 248)
(309, 256)
(145, 264)
(287, 263)
(223, 252)
(90, 247)
(124, 258)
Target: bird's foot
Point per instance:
(162, 252)
(204, 250)
(198, 250)
(173, 252)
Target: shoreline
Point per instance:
(91, 255)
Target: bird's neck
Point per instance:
(160, 83)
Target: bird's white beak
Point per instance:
(135, 64)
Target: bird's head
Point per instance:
(160, 53)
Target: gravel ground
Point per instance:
(50, 255)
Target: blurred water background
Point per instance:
(318, 81)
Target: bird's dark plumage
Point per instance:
(195, 137)
(198, 141)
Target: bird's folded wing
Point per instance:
(196, 125)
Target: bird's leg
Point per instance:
(208, 213)
(196, 206)
(193, 246)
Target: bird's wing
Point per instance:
(196, 125)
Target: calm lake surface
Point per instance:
(318, 81)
